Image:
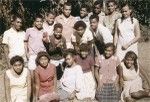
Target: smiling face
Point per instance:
(126, 12)
(80, 31)
(84, 54)
(43, 61)
(38, 23)
(69, 59)
(18, 67)
(97, 9)
(129, 62)
(50, 19)
(109, 51)
(111, 7)
(58, 33)
(83, 12)
(94, 23)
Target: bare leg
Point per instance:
(140, 94)
(129, 99)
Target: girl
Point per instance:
(106, 75)
(87, 63)
(45, 78)
(127, 32)
(112, 16)
(71, 83)
(17, 81)
(132, 82)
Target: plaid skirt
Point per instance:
(108, 93)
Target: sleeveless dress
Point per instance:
(18, 86)
(126, 34)
(132, 82)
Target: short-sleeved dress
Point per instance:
(108, 77)
(46, 77)
(126, 34)
(89, 82)
(132, 81)
(18, 86)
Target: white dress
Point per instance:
(132, 82)
(18, 86)
(126, 34)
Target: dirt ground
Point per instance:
(144, 59)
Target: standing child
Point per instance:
(17, 81)
(87, 63)
(132, 82)
(45, 77)
(106, 75)
(71, 83)
(127, 32)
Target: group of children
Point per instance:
(87, 58)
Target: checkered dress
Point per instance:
(108, 93)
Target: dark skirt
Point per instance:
(108, 93)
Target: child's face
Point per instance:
(94, 23)
(67, 11)
(69, 60)
(111, 7)
(83, 12)
(84, 54)
(97, 9)
(129, 62)
(126, 12)
(58, 33)
(50, 19)
(108, 52)
(38, 23)
(43, 61)
(18, 67)
(80, 31)
(17, 24)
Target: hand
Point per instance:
(72, 96)
(124, 47)
(45, 37)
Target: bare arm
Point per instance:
(6, 51)
(7, 88)
(97, 75)
(37, 86)
(55, 81)
(115, 40)
(120, 73)
(26, 49)
(28, 86)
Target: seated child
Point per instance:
(132, 82)
(71, 83)
(45, 78)
(86, 61)
(17, 81)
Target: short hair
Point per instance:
(41, 54)
(98, 3)
(38, 16)
(84, 47)
(85, 6)
(58, 25)
(94, 16)
(79, 24)
(110, 45)
(67, 4)
(70, 52)
(113, 1)
(51, 12)
(14, 17)
(15, 59)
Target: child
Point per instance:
(97, 10)
(81, 35)
(84, 11)
(55, 47)
(112, 16)
(127, 32)
(86, 61)
(49, 22)
(17, 81)
(45, 77)
(106, 75)
(132, 82)
(71, 83)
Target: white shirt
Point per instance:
(87, 36)
(48, 28)
(105, 33)
(72, 79)
(15, 42)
